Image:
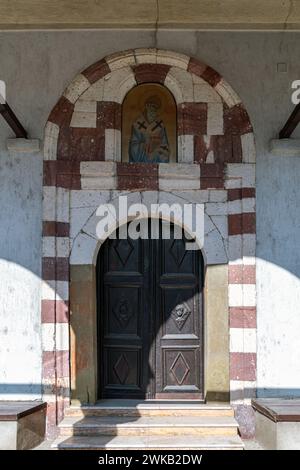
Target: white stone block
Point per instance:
(185, 148)
(241, 392)
(94, 93)
(216, 208)
(233, 183)
(217, 195)
(248, 204)
(204, 93)
(79, 217)
(180, 83)
(149, 197)
(235, 207)
(23, 145)
(78, 86)
(62, 202)
(227, 93)
(99, 182)
(235, 295)
(49, 249)
(84, 198)
(246, 171)
(243, 340)
(98, 175)
(215, 119)
(49, 203)
(249, 245)
(117, 61)
(113, 145)
(214, 248)
(235, 249)
(248, 148)
(84, 120)
(173, 58)
(50, 141)
(221, 223)
(55, 336)
(98, 168)
(85, 106)
(197, 197)
(145, 56)
(242, 295)
(84, 249)
(117, 85)
(55, 290)
(285, 147)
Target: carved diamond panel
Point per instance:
(180, 369)
(178, 251)
(121, 369)
(124, 249)
(180, 314)
(123, 312)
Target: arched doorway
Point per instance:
(150, 318)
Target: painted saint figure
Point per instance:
(149, 141)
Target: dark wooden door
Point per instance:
(150, 319)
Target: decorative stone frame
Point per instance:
(82, 168)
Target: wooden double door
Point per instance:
(150, 319)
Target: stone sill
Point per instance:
(23, 145)
(285, 147)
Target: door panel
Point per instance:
(123, 283)
(179, 345)
(150, 319)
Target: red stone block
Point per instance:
(240, 193)
(55, 364)
(242, 317)
(63, 143)
(56, 229)
(248, 192)
(241, 223)
(96, 71)
(55, 311)
(192, 119)
(200, 149)
(212, 170)
(86, 145)
(151, 73)
(211, 76)
(68, 181)
(49, 173)
(109, 115)
(62, 112)
(236, 120)
(211, 183)
(137, 176)
(196, 67)
(242, 366)
(241, 274)
(55, 269)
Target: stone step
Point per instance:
(184, 442)
(149, 408)
(148, 426)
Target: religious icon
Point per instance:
(149, 125)
(149, 140)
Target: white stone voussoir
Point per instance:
(50, 141)
(78, 86)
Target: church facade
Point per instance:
(186, 122)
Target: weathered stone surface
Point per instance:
(145, 73)
(76, 88)
(96, 71)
